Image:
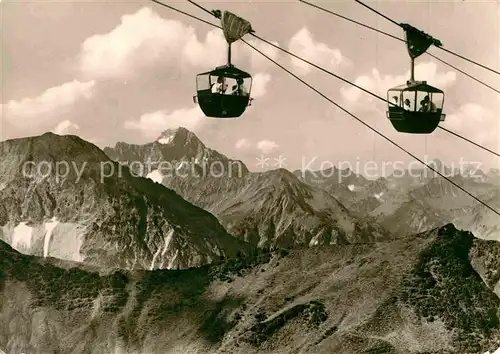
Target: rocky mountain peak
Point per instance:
(182, 149)
(49, 154)
(179, 137)
(282, 174)
(282, 179)
(52, 146)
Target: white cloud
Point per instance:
(153, 123)
(379, 84)
(65, 127)
(476, 122)
(304, 45)
(155, 176)
(212, 52)
(257, 59)
(259, 84)
(242, 144)
(29, 111)
(144, 38)
(266, 146)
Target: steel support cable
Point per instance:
(324, 70)
(335, 104)
(399, 39)
(443, 49)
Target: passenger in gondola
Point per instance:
(432, 106)
(239, 88)
(407, 104)
(426, 105)
(220, 86)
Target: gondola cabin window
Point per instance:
(203, 82)
(417, 101)
(229, 85)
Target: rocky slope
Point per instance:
(61, 196)
(420, 294)
(275, 209)
(266, 209)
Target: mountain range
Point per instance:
(172, 247)
(413, 201)
(269, 209)
(63, 197)
(278, 202)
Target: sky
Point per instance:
(125, 71)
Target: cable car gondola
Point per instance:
(406, 116)
(224, 92)
(416, 107)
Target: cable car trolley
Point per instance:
(224, 92)
(416, 107)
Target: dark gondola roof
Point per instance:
(229, 71)
(416, 86)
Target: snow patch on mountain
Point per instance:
(172, 261)
(379, 196)
(163, 250)
(165, 140)
(51, 238)
(168, 240)
(22, 236)
(157, 253)
(49, 228)
(314, 242)
(155, 176)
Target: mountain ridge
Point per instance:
(89, 214)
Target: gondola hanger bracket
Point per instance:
(414, 32)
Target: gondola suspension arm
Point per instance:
(437, 44)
